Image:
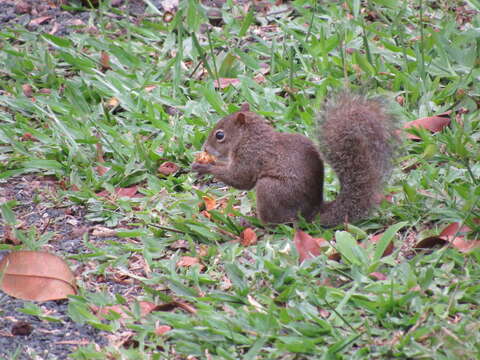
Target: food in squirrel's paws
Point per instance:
(204, 158)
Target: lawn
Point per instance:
(98, 131)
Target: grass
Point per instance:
(155, 101)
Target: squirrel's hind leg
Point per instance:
(277, 204)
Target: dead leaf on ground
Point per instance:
(375, 239)
(101, 231)
(101, 170)
(432, 123)
(105, 61)
(9, 236)
(146, 307)
(453, 234)
(168, 168)
(37, 276)
(210, 203)
(307, 246)
(40, 20)
(112, 103)
(222, 83)
(162, 329)
(27, 90)
(122, 192)
(248, 237)
(187, 261)
(377, 275)
(176, 304)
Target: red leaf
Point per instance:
(168, 168)
(248, 237)
(162, 329)
(225, 82)
(308, 246)
(377, 276)
(433, 123)
(27, 90)
(105, 61)
(40, 20)
(127, 192)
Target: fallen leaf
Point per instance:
(452, 234)
(22, 328)
(150, 88)
(176, 304)
(307, 246)
(101, 170)
(55, 28)
(168, 168)
(40, 20)
(101, 231)
(430, 242)
(27, 90)
(146, 307)
(112, 103)
(432, 123)
(9, 236)
(377, 275)
(105, 61)
(222, 83)
(375, 239)
(248, 237)
(162, 329)
(36, 275)
(187, 261)
(210, 203)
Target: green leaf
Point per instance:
(7, 214)
(54, 40)
(387, 236)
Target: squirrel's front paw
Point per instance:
(201, 169)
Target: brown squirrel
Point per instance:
(357, 138)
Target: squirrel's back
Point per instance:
(357, 139)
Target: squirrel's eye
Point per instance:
(220, 135)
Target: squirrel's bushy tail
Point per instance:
(357, 139)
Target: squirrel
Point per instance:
(356, 136)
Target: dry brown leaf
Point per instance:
(105, 61)
(176, 304)
(168, 168)
(432, 123)
(210, 203)
(374, 239)
(308, 246)
(222, 83)
(40, 20)
(187, 261)
(150, 88)
(101, 170)
(10, 237)
(27, 90)
(452, 234)
(112, 103)
(162, 329)
(122, 192)
(378, 276)
(146, 307)
(101, 231)
(36, 275)
(248, 237)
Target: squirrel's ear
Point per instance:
(245, 107)
(241, 118)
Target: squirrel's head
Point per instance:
(228, 132)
